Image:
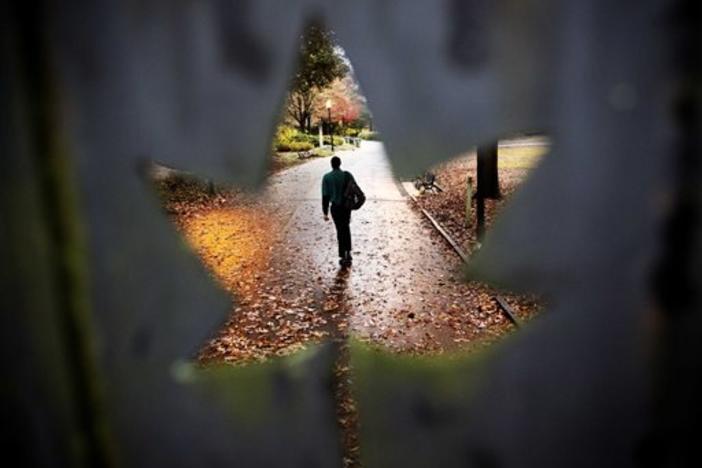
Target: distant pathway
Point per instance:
(402, 287)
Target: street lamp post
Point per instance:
(331, 133)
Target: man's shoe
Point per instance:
(346, 260)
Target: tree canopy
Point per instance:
(320, 63)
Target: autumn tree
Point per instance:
(319, 64)
(347, 101)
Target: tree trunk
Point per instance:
(488, 183)
(301, 120)
(488, 178)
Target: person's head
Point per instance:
(335, 162)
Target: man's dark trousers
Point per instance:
(342, 218)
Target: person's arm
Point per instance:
(325, 196)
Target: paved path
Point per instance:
(402, 292)
(397, 258)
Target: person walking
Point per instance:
(339, 189)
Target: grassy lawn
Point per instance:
(521, 157)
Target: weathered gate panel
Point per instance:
(103, 305)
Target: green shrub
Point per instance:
(323, 152)
(368, 135)
(294, 146)
(283, 137)
(300, 138)
(285, 134)
(290, 139)
(352, 132)
(300, 146)
(306, 138)
(338, 141)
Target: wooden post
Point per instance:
(488, 182)
(480, 218)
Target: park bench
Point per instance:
(426, 182)
(353, 141)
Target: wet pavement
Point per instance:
(277, 256)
